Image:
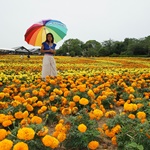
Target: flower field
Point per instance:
(93, 104)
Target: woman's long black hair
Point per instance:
(47, 37)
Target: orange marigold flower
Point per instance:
(72, 104)
(21, 146)
(91, 93)
(36, 120)
(19, 115)
(110, 133)
(66, 93)
(82, 128)
(83, 101)
(7, 123)
(3, 134)
(66, 111)
(141, 115)
(29, 107)
(25, 133)
(53, 108)
(43, 108)
(25, 114)
(50, 141)
(74, 110)
(76, 98)
(6, 144)
(114, 140)
(131, 116)
(61, 136)
(93, 145)
(2, 95)
(82, 87)
(39, 103)
(47, 88)
(58, 127)
(43, 131)
(52, 98)
(35, 92)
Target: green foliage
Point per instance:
(133, 133)
(78, 139)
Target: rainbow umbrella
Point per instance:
(36, 34)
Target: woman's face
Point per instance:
(49, 37)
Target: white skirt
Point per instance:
(49, 66)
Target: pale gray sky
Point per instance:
(98, 20)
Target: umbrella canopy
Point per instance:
(36, 34)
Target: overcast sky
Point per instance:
(98, 20)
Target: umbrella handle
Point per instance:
(45, 30)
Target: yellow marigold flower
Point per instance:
(25, 133)
(6, 144)
(91, 93)
(53, 108)
(43, 131)
(21, 146)
(82, 128)
(110, 114)
(50, 141)
(93, 145)
(3, 134)
(131, 116)
(76, 98)
(2, 95)
(83, 101)
(7, 123)
(141, 115)
(98, 113)
(36, 120)
(19, 115)
(61, 136)
(130, 107)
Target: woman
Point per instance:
(49, 64)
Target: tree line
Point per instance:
(93, 48)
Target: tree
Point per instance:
(91, 48)
(72, 45)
